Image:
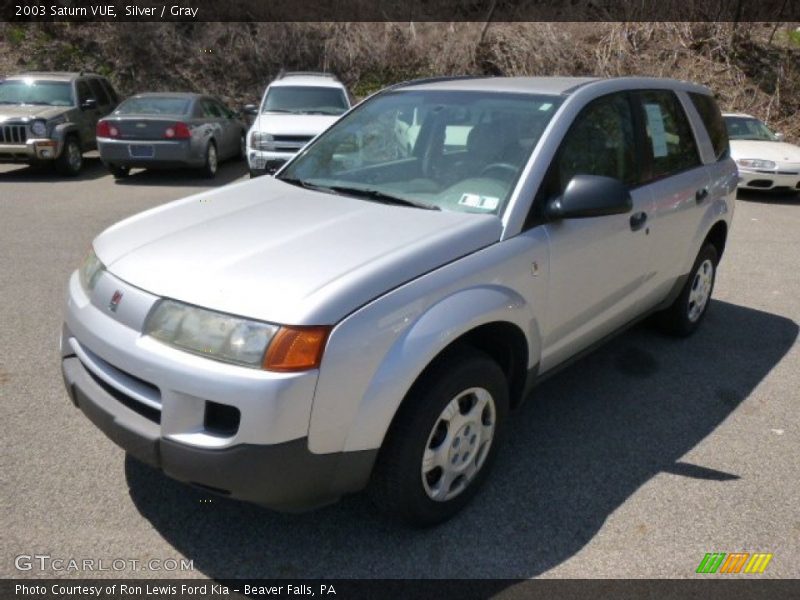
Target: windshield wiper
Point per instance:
(279, 110)
(382, 197)
(305, 184)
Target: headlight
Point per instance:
(90, 271)
(39, 128)
(234, 339)
(755, 163)
(261, 141)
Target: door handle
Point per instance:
(701, 195)
(638, 220)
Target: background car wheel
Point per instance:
(243, 148)
(441, 445)
(70, 161)
(212, 161)
(686, 313)
(119, 172)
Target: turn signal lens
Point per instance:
(296, 348)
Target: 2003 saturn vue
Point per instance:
(368, 317)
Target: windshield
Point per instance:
(747, 128)
(154, 106)
(29, 91)
(305, 100)
(451, 150)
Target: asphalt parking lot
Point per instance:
(634, 462)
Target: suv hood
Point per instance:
(271, 251)
(16, 112)
(286, 124)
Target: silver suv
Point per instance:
(369, 317)
(50, 118)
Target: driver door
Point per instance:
(598, 264)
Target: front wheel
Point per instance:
(212, 161)
(684, 316)
(70, 161)
(441, 446)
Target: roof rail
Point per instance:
(425, 80)
(284, 73)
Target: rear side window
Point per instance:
(712, 119)
(210, 109)
(601, 141)
(99, 92)
(110, 91)
(669, 135)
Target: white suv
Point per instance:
(295, 108)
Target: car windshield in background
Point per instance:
(154, 106)
(451, 150)
(305, 100)
(29, 91)
(745, 128)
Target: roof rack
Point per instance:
(283, 74)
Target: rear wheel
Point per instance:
(442, 443)
(212, 161)
(686, 313)
(70, 161)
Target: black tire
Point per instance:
(243, 147)
(119, 172)
(70, 162)
(212, 161)
(397, 486)
(678, 319)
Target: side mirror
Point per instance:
(779, 137)
(89, 104)
(250, 109)
(590, 196)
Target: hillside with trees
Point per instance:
(752, 67)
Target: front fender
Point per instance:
(374, 357)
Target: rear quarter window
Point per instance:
(712, 119)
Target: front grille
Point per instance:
(13, 134)
(298, 139)
(147, 412)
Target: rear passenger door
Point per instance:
(213, 115)
(678, 183)
(597, 265)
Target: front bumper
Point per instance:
(283, 476)
(170, 408)
(787, 178)
(33, 150)
(265, 163)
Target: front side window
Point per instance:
(748, 128)
(84, 93)
(670, 139)
(99, 92)
(30, 91)
(601, 141)
(450, 150)
(306, 100)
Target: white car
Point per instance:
(765, 161)
(295, 108)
